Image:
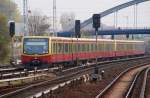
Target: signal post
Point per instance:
(96, 25)
(12, 33)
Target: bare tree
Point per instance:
(38, 24)
(9, 9)
(67, 21)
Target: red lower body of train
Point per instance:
(60, 58)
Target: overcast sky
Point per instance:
(84, 9)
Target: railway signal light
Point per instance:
(77, 28)
(12, 28)
(96, 21)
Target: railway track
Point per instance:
(147, 89)
(35, 88)
(22, 73)
(6, 73)
(129, 84)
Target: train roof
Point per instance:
(81, 39)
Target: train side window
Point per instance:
(59, 48)
(104, 46)
(76, 48)
(73, 48)
(66, 48)
(88, 49)
(54, 48)
(110, 47)
(79, 48)
(91, 47)
(70, 47)
(83, 47)
(100, 47)
(62, 48)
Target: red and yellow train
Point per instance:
(44, 50)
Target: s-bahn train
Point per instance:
(47, 51)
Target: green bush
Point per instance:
(4, 39)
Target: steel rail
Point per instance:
(142, 94)
(48, 82)
(131, 88)
(116, 79)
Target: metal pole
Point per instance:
(96, 31)
(25, 16)
(77, 51)
(136, 13)
(54, 18)
(12, 47)
(116, 19)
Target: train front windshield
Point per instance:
(35, 46)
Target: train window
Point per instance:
(95, 47)
(87, 47)
(73, 48)
(79, 48)
(60, 48)
(70, 47)
(109, 47)
(92, 47)
(83, 47)
(124, 46)
(118, 46)
(104, 46)
(54, 48)
(69, 51)
(99, 47)
(66, 48)
(128, 47)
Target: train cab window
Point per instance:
(36, 46)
